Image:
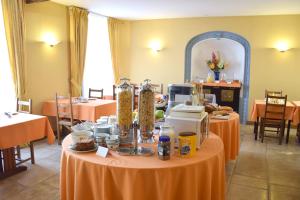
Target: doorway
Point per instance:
(228, 37)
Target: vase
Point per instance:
(217, 75)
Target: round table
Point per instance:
(229, 132)
(88, 176)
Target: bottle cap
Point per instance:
(164, 138)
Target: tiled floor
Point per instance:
(262, 171)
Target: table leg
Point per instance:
(256, 127)
(1, 166)
(288, 131)
(298, 132)
(9, 163)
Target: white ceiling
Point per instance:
(161, 9)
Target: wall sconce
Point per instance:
(282, 46)
(155, 46)
(50, 39)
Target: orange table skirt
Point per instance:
(259, 106)
(229, 132)
(22, 128)
(90, 111)
(88, 176)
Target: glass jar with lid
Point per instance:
(166, 129)
(146, 111)
(124, 107)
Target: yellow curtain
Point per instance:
(13, 14)
(78, 39)
(114, 40)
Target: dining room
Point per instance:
(149, 99)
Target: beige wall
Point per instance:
(269, 68)
(47, 67)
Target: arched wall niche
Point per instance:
(238, 43)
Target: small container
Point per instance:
(166, 129)
(163, 147)
(112, 142)
(100, 138)
(187, 144)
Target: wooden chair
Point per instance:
(274, 117)
(64, 114)
(272, 93)
(135, 92)
(114, 92)
(25, 107)
(99, 93)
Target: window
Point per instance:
(98, 65)
(7, 90)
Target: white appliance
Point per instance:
(196, 125)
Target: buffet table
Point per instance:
(229, 132)
(258, 111)
(91, 111)
(88, 176)
(16, 130)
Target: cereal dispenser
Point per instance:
(146, 112)
(124, 107)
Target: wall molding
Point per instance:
(232, 36)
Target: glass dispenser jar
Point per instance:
(124, 107)
(146, 112)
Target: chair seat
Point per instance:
(274, 124)
(65, 122)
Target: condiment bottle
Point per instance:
(166, 129)
(163, 147)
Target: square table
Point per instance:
(16, 130)
(258, 111)
(89, 111)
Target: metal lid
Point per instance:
(125, 83)
(164, 138)
(147, 85)
(187, 134)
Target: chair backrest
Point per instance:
(96, 93)
(114, 92)
(24, 106)
(275, 107)
(272, 93)
(135, 97)
(64, 108)
(158, 88)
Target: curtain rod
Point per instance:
(97, 14)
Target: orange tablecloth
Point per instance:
(88, 176)
(296, 117)
(90, 111)
(229, 131)
(259, 106)
(22, 128)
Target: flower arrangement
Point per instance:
(216, 64)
